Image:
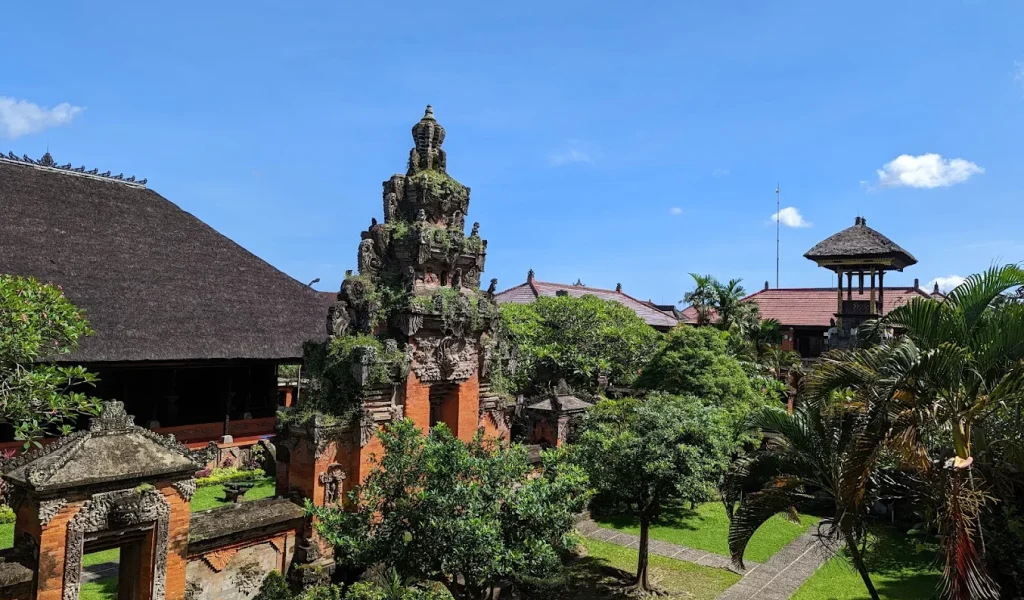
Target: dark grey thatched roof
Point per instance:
(860, 241)
(157, 284)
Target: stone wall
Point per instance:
(231, 549)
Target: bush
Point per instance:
(274, 587)
(7, 514)
(226, 474)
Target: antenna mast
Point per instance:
(778, 218)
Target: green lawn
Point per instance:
(600, 575)
(707, 528)
(901, 567)
(101, 589)
(212, 496)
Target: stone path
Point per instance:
(100, 571)
(776, 579)
(591, 529)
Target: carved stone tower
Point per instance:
(410, 334)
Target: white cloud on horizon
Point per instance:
(720, 173)
(21, 117)
(946, 283)
(926, 171)
(790, 217)
(675, 210)
(573, 152)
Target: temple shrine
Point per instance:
(410, 335)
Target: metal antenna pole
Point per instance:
(778, 219)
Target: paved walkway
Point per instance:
(100, 571)
(776, 579)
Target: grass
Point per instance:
(606, 569)
(901, 567)
(212, 496)
(707, 528)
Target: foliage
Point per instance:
(951, 385)
(37, 324)
(641, 455)
(439, 186)
(695, 362)
(817, 449)
(719, 304)
(225, 474)
(274, 587)
(575, 339)
(334, 388)
(7, 514)
(466, 515)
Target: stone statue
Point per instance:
(457, 279)
(476, 230)
(421, 215)
(492, 288)
(338, 319)
(368, 260)
(409, 281)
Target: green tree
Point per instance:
(959, 363)
(469, 516)
(38, 324)
(720, 304)
(817, 449)
(642, 454)
(575, 339)
(695, 361)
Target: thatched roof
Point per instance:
(860, 241)
(157, 284)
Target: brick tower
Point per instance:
(410, 335)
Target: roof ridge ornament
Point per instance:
(47, 162)
(113, 418)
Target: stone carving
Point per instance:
(333, 480)
(457, 279)
(205, 455)
(448, 358)
(367, 428)
(186, 488)
(193, 589)
(248, 577)
(48, 509)
(492, 288)
(338, 319)
(476, 230)
(113, 509)
(113, 418)
(368, 260)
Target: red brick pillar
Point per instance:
(52, 548)
(417, 402)
(177, 546)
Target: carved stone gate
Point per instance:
(114, 485)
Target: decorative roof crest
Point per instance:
(48, 162)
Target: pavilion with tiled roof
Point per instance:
(532, 289)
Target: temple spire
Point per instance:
(427, 135)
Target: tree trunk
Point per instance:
(858, 563)
(641, 566)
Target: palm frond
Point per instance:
(778, 496)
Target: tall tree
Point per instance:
(642, 454)
(38, 324)
(469, 516)
(575, 339)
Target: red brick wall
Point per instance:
(52, 548)
(417, 402)
(177, 542)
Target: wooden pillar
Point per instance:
(849, 285)
(839, 305)
(860, 282)
(874, 308)
(881, 291)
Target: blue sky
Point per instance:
(605, 141)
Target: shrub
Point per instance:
(6, 514)
(226, 474)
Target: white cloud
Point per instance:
(720, 173)
(675, 210)
(790, 217)
(21, 117)
(946, 283)
(1018, 72)
(574, 152)
(926, 171)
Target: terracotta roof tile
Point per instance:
(529, 291)
(812, 307)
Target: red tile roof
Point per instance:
(529, 291)
(813, 307)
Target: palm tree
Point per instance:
(958, 359)
(703, 297)
(815, 449)
(729, 305)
